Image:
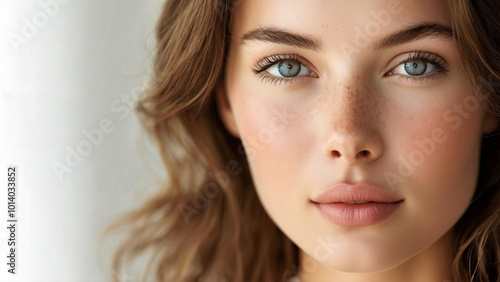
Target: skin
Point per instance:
(306, 134)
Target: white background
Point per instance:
(66, 67)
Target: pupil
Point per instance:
(415, 67)
(289, 68)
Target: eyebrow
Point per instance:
(281, 36)
(413, 33)
(409, 34)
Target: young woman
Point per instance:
(324, 141)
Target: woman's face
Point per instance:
(329, 92)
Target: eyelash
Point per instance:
(440, 64)
(270, 61)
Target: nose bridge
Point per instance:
(353, 112)
(353, 106)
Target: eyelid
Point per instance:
(269, 61)
(440, 64)
(418, 55)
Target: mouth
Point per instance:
(362, 202)
(355, 205)
(357, 213)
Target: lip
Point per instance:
(375, 204)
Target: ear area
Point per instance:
(224, 108)
(491, 123)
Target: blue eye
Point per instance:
(288, 68)
(420, 64)
(281, 68)
(415, 68)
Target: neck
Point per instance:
(432, 264)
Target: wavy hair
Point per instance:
(206, 222)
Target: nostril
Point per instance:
(364, 154)
(336, 154)
(360, 155)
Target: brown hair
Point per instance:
(206, 222)
(476, 30)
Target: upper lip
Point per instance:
(354, 192)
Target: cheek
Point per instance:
(276, 137)
(438, 161)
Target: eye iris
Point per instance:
(289, 68)
(415, 67)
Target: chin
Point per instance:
(360, 264)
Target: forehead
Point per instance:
(334, 20)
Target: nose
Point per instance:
(353, 118)
(354, 148)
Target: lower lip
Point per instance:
(352, 215)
